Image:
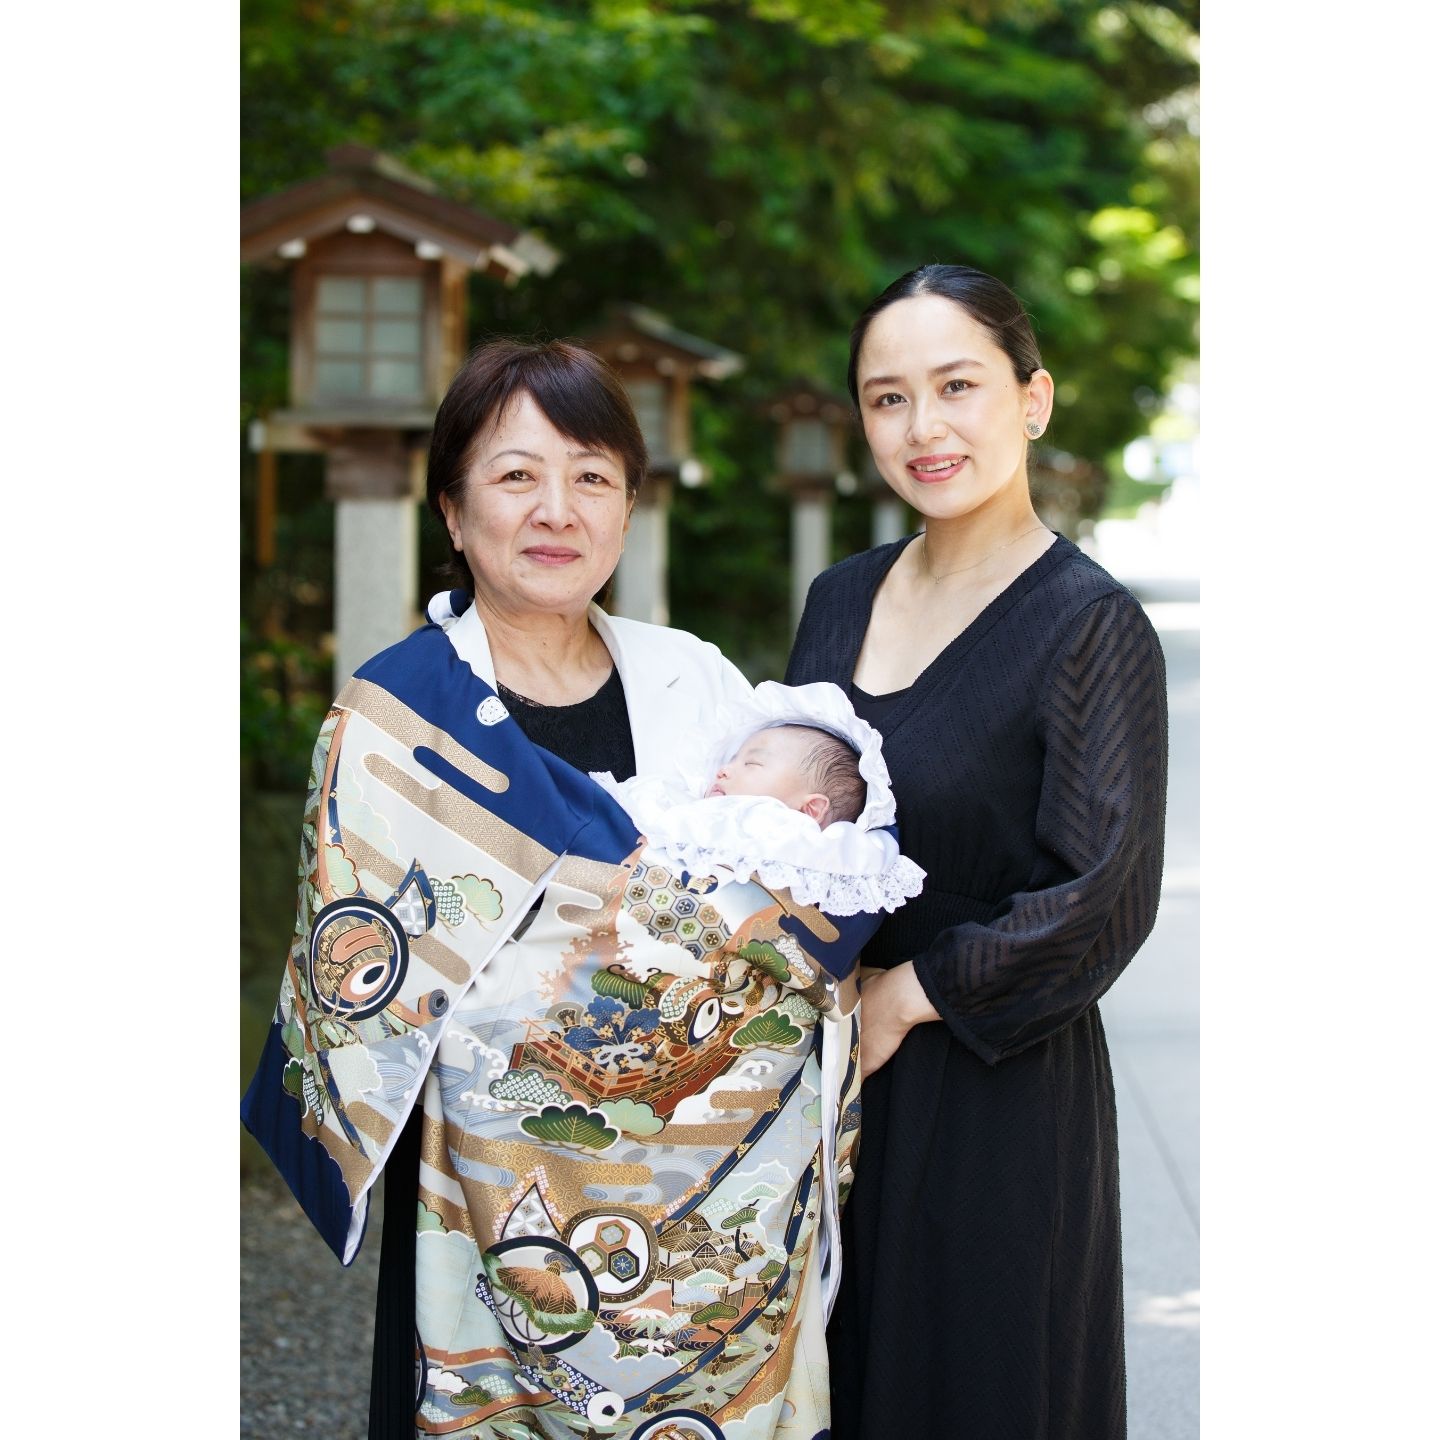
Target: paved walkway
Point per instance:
(305, 1322)
(1152, 1018)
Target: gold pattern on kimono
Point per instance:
(498, 840)
(765, 924)
(453, 1217)
(605, 882)
(776, 1369)
(401, 723)
(433, 1151)
(332, 758)
(440, 958)
(726, 1133)
(565, 1177)
(366, 857)
(369, 1121)
(601, 943)
(355, 1168)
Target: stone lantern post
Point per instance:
(810, 458)
(656, 362)
(379, 261)
(889, 515)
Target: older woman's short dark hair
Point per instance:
(578, 392)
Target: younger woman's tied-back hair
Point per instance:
(577, 391)
(986, 300)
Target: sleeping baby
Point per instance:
(790, 788)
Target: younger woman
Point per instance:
(1020, 692)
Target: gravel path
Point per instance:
(306, 1322)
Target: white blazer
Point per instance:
(673, 680)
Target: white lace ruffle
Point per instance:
(838, 895)
(845, 868)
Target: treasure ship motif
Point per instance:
(672, 1047)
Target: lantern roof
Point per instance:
(635, 332)
(364, 190)
(806, 399)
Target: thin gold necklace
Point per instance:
(925, 554)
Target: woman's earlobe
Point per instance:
(449, 514)
(1039, 403)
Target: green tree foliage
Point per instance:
(758, 170)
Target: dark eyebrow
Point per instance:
(938, 370)
(569, 455)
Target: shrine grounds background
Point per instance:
(1321, 1263)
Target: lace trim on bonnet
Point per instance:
(844, 869)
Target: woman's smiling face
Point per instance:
(943, 412)
(541, 519)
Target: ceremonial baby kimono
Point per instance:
(638, 1083)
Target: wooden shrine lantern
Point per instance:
(379, 261)
(815, 426)
(656, 362)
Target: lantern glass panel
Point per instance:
(396, 295)
(650, 399)
(340, 337)
(369, 337)
(339, 379)
(340, 295)
(396, 337)
(805, 448)
(395, 379)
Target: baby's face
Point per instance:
(768, 763)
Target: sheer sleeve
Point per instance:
(1056, 947)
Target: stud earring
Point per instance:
(1034, 430)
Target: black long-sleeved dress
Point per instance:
(981, 1292)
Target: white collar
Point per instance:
(658, 668)
(466, 633)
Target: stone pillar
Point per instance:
(641, 590)
(376, 548)
(809, 544)
(887, 519)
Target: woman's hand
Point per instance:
(893, 1002)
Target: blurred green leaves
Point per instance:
(758, 170)
(284, 688)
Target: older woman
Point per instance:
(535, 462)
(602, 1079)
(1021, 694)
